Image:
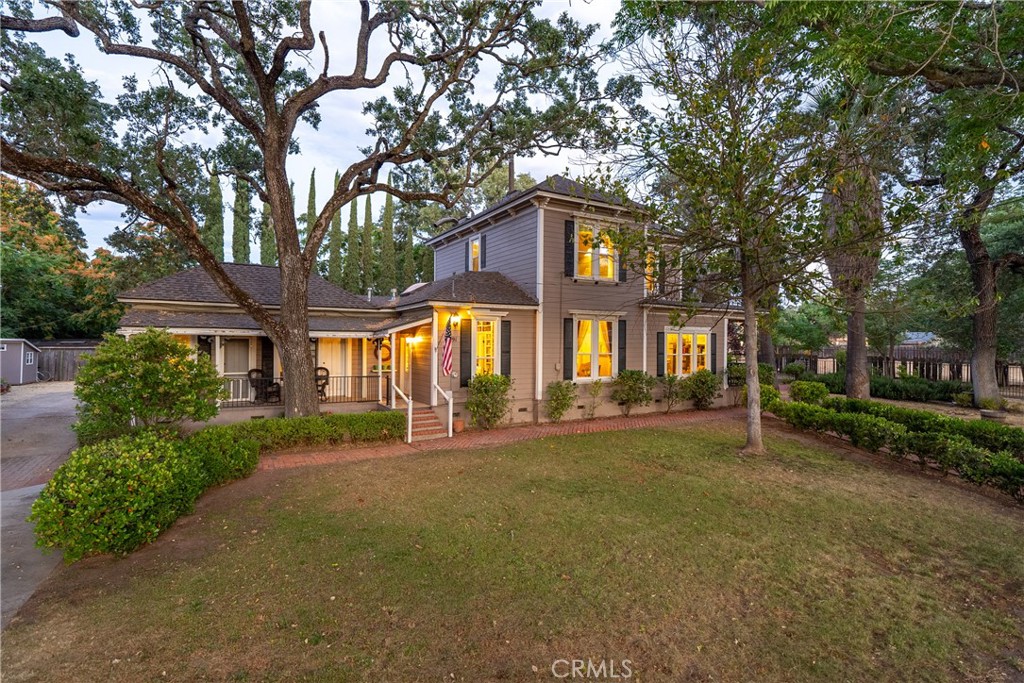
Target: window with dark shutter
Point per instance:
(465, 353)
(506, 348)
(467, 255)
(570, 249)
(567, 354)
(622, 266)
(483, 252)
(714, 353)
(622, 344)
(661, 354)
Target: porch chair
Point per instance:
(323, 377)
(267, 390)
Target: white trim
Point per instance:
(478, 241)
(643, 337)
(230, 307)
(26, 342)
(593, 346)
(434, 340)
(487, 313)
(238, 332)
(462, 304)
(693, 351)
(29, 357)
(600, 314)
(538, 343)
(497, 343)
(400, 328)
(595, 251)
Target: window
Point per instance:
(595, 345)
(650, 276)
(596, 256)
(30, 357)
(474, 254)
(686, 352)
(485, 346)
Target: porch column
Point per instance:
(643, 343)
(433, 358)
(380, 378)
(394, 362)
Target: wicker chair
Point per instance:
(267, 390)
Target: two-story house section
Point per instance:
(533, 288)
(595, 315)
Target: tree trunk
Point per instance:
(299, 384)
(985, 318)
(858, 375)
(755, 444)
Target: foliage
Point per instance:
(387, 275)
(964, 399)
(268, 247)
(377, 426)
(632, 388)
(736, 374)
(806, 327)
(900, 389)
(489, 400)
(351, 275)
(336, 246)
(766, 373)
(594, 392)
(561, 397)
(319, 430)
(213, 227)
(241, 224)
(146, 379)
(222, 455)
(5, 386)
(769, 396)
(796, 370)
(993, 403)
(808, 392)
(702, 387)
(674, 391)
(367, 264)
(116, 495)
(47, 286)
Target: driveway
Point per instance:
(36, 437)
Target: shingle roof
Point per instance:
(263, 283)
(470, 288)
(241, 321)
(555, 184)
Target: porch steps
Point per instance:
(426, 425)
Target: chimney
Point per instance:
(511, 174)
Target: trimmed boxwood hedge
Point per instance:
(899, 389)
(950, 444)
(116, 495)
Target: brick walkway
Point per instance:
(498, 437)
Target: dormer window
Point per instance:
(474, 254)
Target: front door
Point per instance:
(403, 373)
(236, 368)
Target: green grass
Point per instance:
(661, 547)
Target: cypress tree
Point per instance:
(213, 228)
(334, 245)
(387, 278)
(268, 247)
(408, 259)
(310, 216)
(366, 250)
(351, 278)
(241, 227)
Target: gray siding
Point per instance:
(12, 363)
(511, 251)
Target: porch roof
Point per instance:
(263, 283)
(469, 288)
(204, 320)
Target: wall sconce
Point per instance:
(414, 340)
(455, 320)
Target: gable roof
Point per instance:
(241, 321)
(21, 341)
(469, 288)
(263, 283)
(555, 184)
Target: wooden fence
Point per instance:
(60, 362)
(927, 362)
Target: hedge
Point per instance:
(900, 389)
(808, 392)
(948, 450)
(116, 495)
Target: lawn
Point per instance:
(663, 548)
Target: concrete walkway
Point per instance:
(36, 436)
(498, 437)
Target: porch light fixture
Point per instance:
(414, 340)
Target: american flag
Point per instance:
(446, 350)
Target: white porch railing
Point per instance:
(448, 399)
(408, 417)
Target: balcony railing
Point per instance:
(338, 389)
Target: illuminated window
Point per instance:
(650, 280)
(474, 254)
(485, 349)
(596, 256)
(685, 352)
(595, 345)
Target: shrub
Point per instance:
(795, 370)
(489, 399)
(382, 425)
(769, 396)
(993, 403)
(674, 391)
(114, 496)
(736, 374)
(702, 387)
(964, 399)
(594, 392)
(149, 378)
(808, 392)
(835, 381)
(765, 374)
(223, 456)
(288, 432)
(5, 386)
(632, 388)
(561, 397)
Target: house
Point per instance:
(533, 288)
(19, 361)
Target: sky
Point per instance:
(342, 130)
